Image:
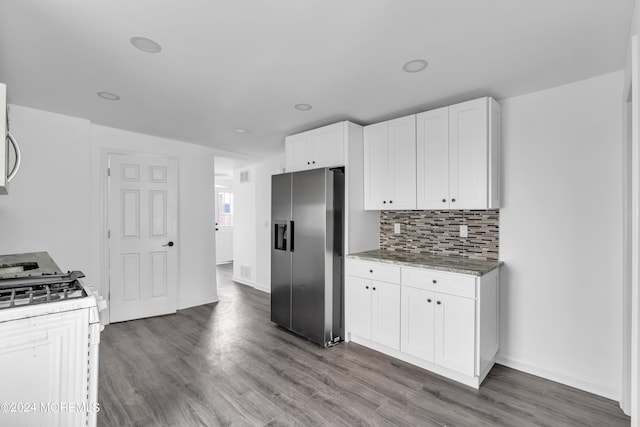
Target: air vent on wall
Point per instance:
(244, 177)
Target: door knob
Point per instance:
(169, 244)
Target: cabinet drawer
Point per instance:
(438, 281)
(373, 270)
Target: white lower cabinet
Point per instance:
(374, 310)
(439, 328)
(454, 333)
(443, 322)
(359, 291)
(385, 314)
(418, 317)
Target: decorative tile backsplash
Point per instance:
(438, 232)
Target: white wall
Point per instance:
(270, 166)
(196, 223)
(49, 204)
(244, 228)
(560, 235)
(55, 200)
(252, 222)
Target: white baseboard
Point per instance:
(254, 285)
(243, 281)
(262, 288)
(192, 302)
(586, 384)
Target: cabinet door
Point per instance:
(376, 167)
(455, 320)
(327, 146)
(385, 314)
(468, 154)
(402, 163)
(359, 306)
(417, 325)
(44, 359)
(432, 169)
(297, 149)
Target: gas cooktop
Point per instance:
(40, 289)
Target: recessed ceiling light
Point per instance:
(242, 131)
(145, 44)
(108, 96)
(303, 107)
(415, 66)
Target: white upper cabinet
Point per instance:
(298, 148)
(390, 164)
(433, 159)
(376, 166)
(317, 148)
(458, 156)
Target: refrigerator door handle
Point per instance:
(291, 234)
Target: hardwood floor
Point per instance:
(227, 364)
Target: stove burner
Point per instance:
(30, 292)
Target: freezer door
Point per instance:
(309, 212)
(280, 250)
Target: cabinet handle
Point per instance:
(374, 288)
(429, 300)
(384, 201)
(308, 163)
(370, 271)
(390, 201)
(366, 287)
(453, 200)
(435, 281)
(444, 200)
(438, 303)
(314, 162)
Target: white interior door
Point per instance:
(143, 228)
(224, 227)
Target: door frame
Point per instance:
(631, 235)
(105, 265)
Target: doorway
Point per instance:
(224, 224)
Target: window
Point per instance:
(225, 209)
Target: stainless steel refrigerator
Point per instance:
(307, 213)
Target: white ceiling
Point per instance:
(245, 63)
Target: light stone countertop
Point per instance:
(46, 265)
(448, 263)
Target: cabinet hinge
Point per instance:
(108, 234)
(108, 171)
